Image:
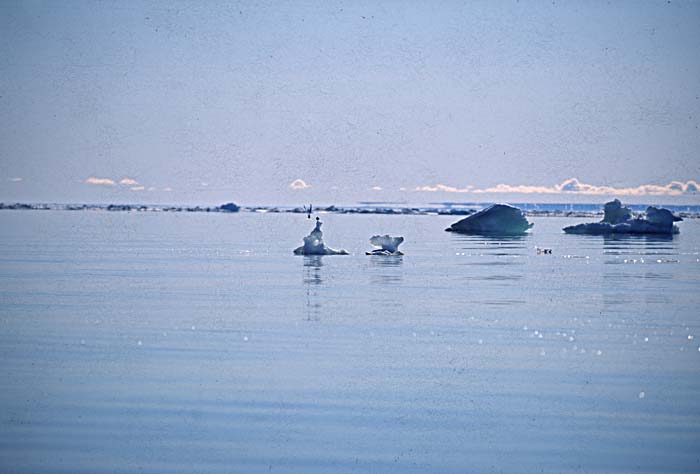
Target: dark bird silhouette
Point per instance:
(308, 211)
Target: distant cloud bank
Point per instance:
(574, 186)
(131, 183)
(101, 181)
(299, 184)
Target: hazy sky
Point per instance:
(204, 102)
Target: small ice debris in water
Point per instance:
(495, 219)
(524, 328)
(480, 341)
(571, 338)
(646, 339)
(387, 244)
(313, 244)
(139, 343)
(690, 338)
(193, 328)
(245, 338)
(543, 353)
(642, 394)
(599, 352)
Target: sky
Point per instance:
(337, 102)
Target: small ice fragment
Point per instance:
(480, 341)
(313, 244)
(524, 328)
(387, 245)
(599, 352)
(646, 339)
(539, 335)
(193, 328)
(139, 343)
(690, 337)
(245, 338)
(543, 353)
(571, 338)
(642, 394)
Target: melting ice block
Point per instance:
(313, 244)
(619, 220)
(496, 219)
(387, 244)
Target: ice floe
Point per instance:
(619, 219)
(496, 219)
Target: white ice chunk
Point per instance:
(387, 244)
(313, 244)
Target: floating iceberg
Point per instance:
(496, 219)
(387, 244)
(619, 220)
(313, 244)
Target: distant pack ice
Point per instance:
(500, 219)
(387, 244)
(313, 244)
(619, 219)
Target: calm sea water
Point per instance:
(167, 343)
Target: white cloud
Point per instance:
(15, 180)
(128, 182)
(299, 184)
(574, 186)
(138, 188)
(376, 188)
(445, 189)
(101, 181)
(167, 189)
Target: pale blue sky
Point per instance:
(205, 102)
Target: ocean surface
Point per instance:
(197, 343)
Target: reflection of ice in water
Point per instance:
(312, 279)
(386, 270)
